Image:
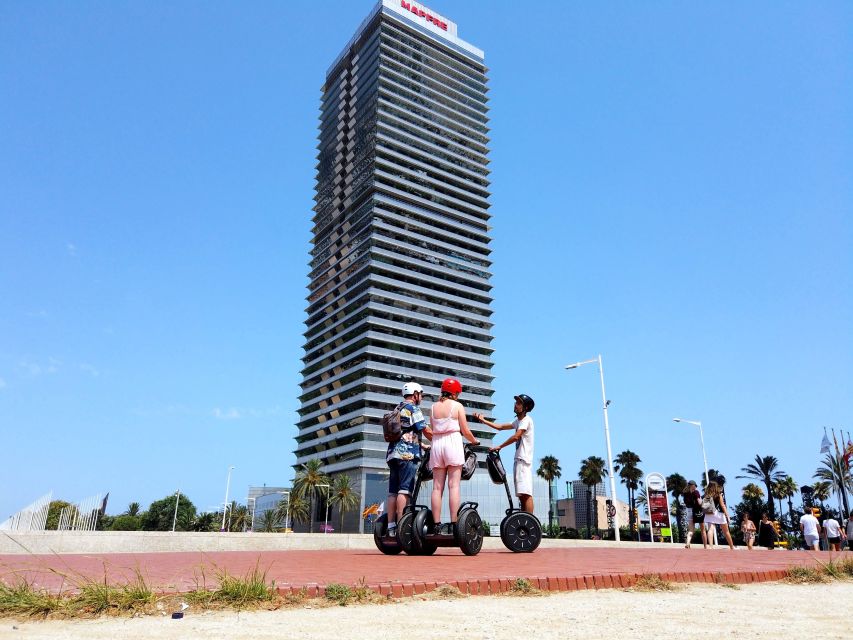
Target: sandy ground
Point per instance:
(773, 610)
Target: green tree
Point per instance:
(821, 490)
(344, 496)
(676, 484)
(766, 469)
(549, 469)
(308, 483)
(293, 509)
(126, 522)
(54, 509)
(161, 512)
(269, 522)
(835, 470)
(789, 490)
(132, 509)
(206, 521)
(778, 492)
(752, 491)
(592, 473)
(630, 474)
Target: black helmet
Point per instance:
(526, 402)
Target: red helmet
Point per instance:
(451, 385)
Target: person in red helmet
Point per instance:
(447, 427)
(523, 439)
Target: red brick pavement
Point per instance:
(491, 571)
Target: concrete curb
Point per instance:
(497, 586)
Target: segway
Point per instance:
(521, 532)
(415, 529)
(389, 545)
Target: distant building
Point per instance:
(581, 510)
(262, 500)
(400, 274)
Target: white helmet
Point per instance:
(411, 388)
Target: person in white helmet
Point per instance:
(404, 454)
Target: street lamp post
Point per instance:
(177, 500)
(225, 504)
(697, 423)
(605, 402)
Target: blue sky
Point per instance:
(671, 188)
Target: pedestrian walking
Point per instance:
(693, 502)
(748, 529)
(716, 512)
(833, 533)
(767, 536)
(810, 528)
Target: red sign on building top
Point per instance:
(423, 14)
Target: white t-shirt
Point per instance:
(809, 524)
(833, 529)
(524, 446)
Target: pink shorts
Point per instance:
(447, 451)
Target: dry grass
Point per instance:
(652, 582)
(805, 575)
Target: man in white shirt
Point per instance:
(811, 530)
(523, 439)
(832, 531)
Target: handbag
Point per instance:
(708, 506)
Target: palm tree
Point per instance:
(677, 485)
(821, 491)
(714, 476)
(132, 509)
(592, 473)
(778, 493)
(549, 469)
(625, 464)
(238, 516)
(788, 490)
(308, 482)
(344, 495)
(752, 491)
(834, 469)
(766, 470)
(294, 509)
(269, 521)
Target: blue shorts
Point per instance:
(402, 478)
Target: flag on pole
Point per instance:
(824, 444)
(381, 508)
(104, 503)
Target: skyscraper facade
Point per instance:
(400, 271)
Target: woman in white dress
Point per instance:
(720, 516)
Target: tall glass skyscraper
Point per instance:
(400, 264)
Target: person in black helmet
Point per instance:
(523, 439)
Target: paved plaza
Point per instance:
(556, 567)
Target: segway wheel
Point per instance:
(406, 534)
(521, 532)
(469, 531)
(423, 523)
(386, 546)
